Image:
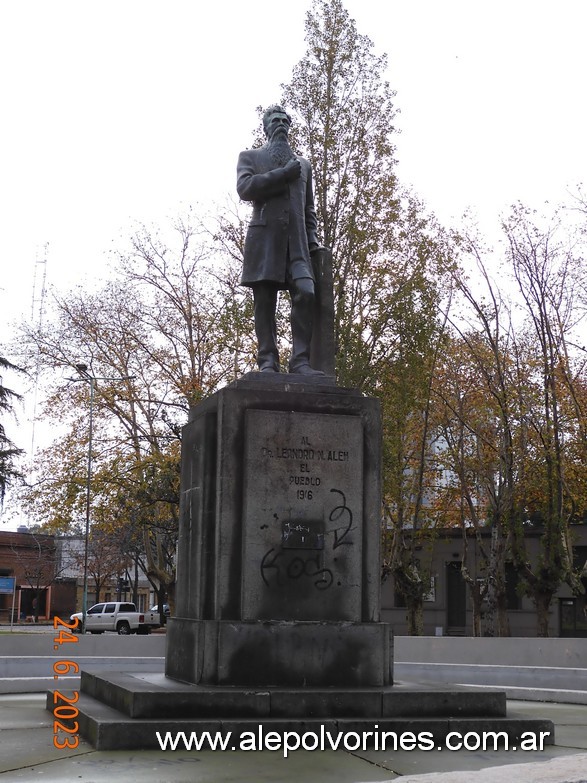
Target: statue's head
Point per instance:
(275, 116)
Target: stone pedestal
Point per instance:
(277, 615)
(278, 555)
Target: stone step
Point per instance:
(109, 729)
(152, 695)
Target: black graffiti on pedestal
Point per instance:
(340, 512)
(273, 564)
(276, 569)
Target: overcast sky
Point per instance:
(116, 111)
(124, 110)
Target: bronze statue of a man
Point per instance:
(280, 237)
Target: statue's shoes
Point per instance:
(305, 369)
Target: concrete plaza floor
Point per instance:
(27, 754)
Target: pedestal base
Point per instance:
(130, 711)
(279, 653)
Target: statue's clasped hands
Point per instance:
(292, 169)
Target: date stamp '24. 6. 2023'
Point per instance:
(65, 725)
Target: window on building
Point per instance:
(573, 617)
(512, 580)
(430, 596)
(580, 558)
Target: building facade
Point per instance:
(48, 572)
(41, 591)
(448, 608)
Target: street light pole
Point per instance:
(91, 379)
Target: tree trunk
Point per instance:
(159, 572)
(415, 618)
(542, 602)
(477, 601)
(135, 586)
(503, 621)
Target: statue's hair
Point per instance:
(275, 108)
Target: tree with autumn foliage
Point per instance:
(382, 241)
(472, 388)
(512, 387)
(166, 331)
(106, 559)
(8, 451)
(477, 391)
(390, 258)
(548, 265)
(410, 464)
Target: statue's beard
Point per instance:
(280, 150)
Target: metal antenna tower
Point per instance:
(37, 314)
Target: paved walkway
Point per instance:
(27, 754)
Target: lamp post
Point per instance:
(86, 375)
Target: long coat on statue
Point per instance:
(283, 224)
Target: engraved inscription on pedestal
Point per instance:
(302, 516)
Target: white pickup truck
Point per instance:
(118, 616)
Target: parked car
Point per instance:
(119, 616)
(165, 609)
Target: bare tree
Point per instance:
(550, 272)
